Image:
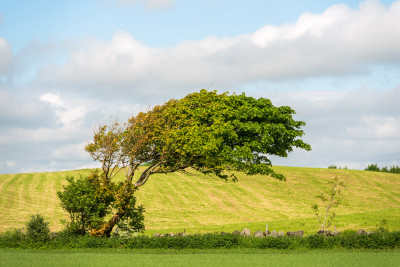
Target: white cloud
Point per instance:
(53, 99)
(72, 151)
(338, 41)
(350, 129)
(6, 58)
(20, 111)
(19, 136)
(66, 114)
(382, 127)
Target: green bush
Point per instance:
(394, 169)
(37, 229)
(346, 240)
(12, 239)
(88, 200)
(85, 208)
(373, 168)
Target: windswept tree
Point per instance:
(211, 133)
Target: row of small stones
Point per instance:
(246, 233)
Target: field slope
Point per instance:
(199, 203)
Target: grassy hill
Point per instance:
(199, 203)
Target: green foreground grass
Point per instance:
(11, 257)
(200, 204)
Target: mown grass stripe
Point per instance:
(196, 202)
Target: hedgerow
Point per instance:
(65, 240)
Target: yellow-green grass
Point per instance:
(198, 203)
(216, 257)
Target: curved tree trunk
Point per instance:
(107, 228)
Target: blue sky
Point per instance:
(66, 66)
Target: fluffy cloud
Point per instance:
(338, 41)
(348, 128)
(67, 115)
(45, 125)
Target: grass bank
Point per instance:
(200, 204)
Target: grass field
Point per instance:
(198, 203)
(198, 258)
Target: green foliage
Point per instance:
(394, 169)
(335, 167)
(89, 200)
(375, 168)
(37, 229)
(372, 167)
(212, 133)
(12, 239)
(384, 169)
(328, 200)
(84, 203)
(133, 220)
(345, 240)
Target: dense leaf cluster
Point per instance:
(88, 200)
(214, 133)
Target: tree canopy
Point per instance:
(209, 132)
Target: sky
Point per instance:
(67, 66)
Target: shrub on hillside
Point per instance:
(373, 168)
(37, 229)
(394, 169)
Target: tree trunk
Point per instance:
(106, 229)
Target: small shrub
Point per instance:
(328, 200)
(38, 229)
(373, 168)
(384, 169)
(382, 226)
(395, 169)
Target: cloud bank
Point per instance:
(46, 121)
(340, 41)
